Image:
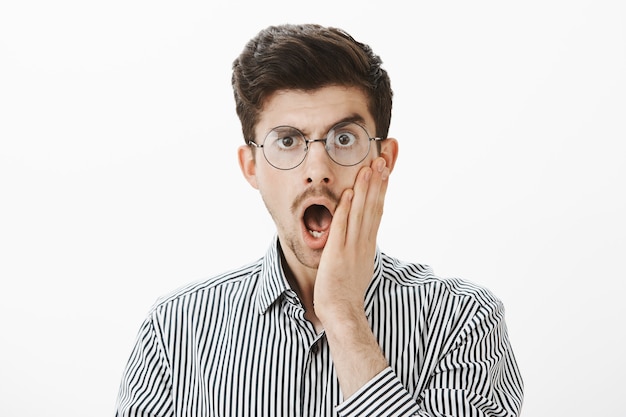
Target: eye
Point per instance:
(345, 139)
(286, 142)
(286, 139)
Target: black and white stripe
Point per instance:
(239, 345)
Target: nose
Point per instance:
(317, 164)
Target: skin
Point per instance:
(330, 274)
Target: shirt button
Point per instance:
(314, 349)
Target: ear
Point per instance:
(389, 151)
(247, 163)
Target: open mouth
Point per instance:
(317, 219)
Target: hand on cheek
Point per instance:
(347, 262)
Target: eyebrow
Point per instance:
(353, 118)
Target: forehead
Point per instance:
(314, 112)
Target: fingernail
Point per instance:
(380, 165)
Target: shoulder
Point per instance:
(242, 279)
(422, 279)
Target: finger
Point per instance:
(374, 200)
(357, 208)
(380, 203)
(339, 223)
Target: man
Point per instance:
(325, 324)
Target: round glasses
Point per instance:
(346, 143)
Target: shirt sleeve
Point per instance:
(475, 375)
(478, 375)
(146, 387)
(383, 396)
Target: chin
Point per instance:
(307, 257)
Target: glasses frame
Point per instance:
(307, 141)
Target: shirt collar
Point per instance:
(273, 283)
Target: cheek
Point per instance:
(348, 178)
(276, 189)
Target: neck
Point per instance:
(304, 285)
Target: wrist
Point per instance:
(342, 316)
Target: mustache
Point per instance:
(314, 192)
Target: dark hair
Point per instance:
(307, 57)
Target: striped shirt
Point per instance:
(238, 345)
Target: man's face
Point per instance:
(302, 200)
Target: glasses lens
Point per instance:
(284, 147)
(347, 144)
